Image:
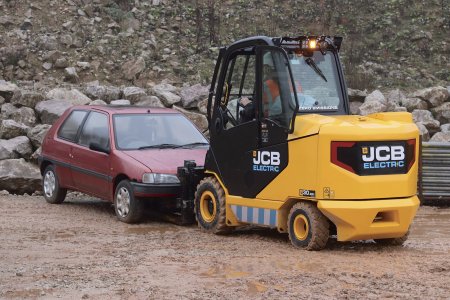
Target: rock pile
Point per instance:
(28, 111)
(430, 108)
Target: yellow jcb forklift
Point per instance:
(285, 153)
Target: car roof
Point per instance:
(127, 109)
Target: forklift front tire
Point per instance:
(209, 206)
(308, 228)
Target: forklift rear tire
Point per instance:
(308, 228)
(393, 241)
(209, 206)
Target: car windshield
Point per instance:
(146, 131)
(317, 81)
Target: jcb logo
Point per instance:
(266, 158)
(383, 153)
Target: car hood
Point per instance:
(167, 160)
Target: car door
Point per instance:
(91, 169)
(60, 149)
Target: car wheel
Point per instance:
(128, 208)
(50, 186)
(393, 241)
(308, 228)
(209, 207)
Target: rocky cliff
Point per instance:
(389, 43)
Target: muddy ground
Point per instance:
(79, 250)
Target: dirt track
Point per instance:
(79, 250)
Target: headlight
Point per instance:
(159, 178)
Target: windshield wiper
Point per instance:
(314, 66)
(160, 146)
(194, 144)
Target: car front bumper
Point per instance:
(370, 219)
(156, 190)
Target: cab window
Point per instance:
(71, 125)
(95, 130)
(239, 88)
(278, 89)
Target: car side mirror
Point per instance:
(99, 148)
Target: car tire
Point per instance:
(209, 207)
(393, 241)
(308, 228)
(127, 207)
(53, 193)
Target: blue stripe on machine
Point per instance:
(260, 215)
(273, 217)
(239, 212)
(250, 215)
(255, 215)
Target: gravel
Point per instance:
(79, 250)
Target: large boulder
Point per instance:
(35, 156)
(426, 118)
(442, 112)
(371, 107)
(26, 98)
(133, 68)
(49, 111)
(441, 137)
(433, 95)
(37, 134)
(198, 119)
(354, 107)
(134, 94)
(102, 92)
(121, 102)
(71, 75)
(356, 95)
(74, 96)
(190, 96)
(423, 131)
(98, 102)
(152, 101)
(24, 115)
(394, 99)
(19, 177)
(166, 92)
(445, 127)
(376, 96)
(15, 148)
(414, 103)
(10, 129)
(7, 89)
(202, 106)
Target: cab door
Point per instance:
(248, 148)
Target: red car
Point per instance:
(121, 154)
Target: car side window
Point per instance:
(95, 130)
(71, 125)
